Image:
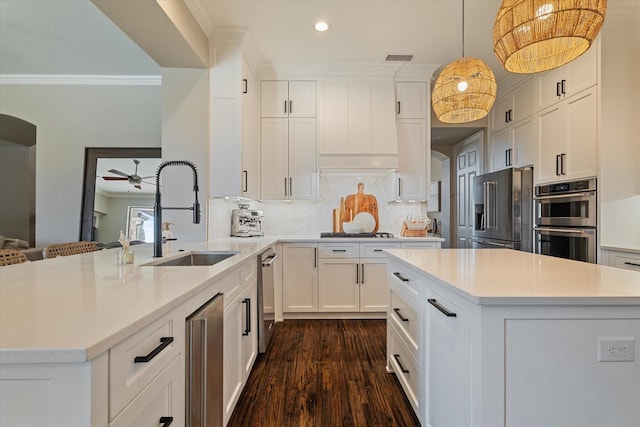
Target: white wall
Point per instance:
(185, 136)
(68, 119)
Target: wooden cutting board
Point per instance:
(360, 202)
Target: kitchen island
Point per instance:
(496, 337)
(70, 328)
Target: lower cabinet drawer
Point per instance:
(159, 404)
(405, 366)
(626, 262)
(405, 317)
(154, 347)
(404, 278)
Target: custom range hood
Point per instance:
(357, 124)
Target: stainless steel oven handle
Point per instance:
(566, 230)
(581, 196)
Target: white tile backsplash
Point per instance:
(312, 217)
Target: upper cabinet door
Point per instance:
(280, 98)
(411, 102)
(563, 82)
(302, 99)
(274, 98)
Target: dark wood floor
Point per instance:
(324, 373)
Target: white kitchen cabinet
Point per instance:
(357, 116)
(299, 277)
(352, 277)
(513, 106)
(158, 405)
(288, 168)
(279, 98)
(421, 245)
(514, 146)
(234, 126)
(373, 284)
(513, 141)
(339, 284)
(561, 83)
(622, 259)
(413, 146)
(568, 139)
(250, 179)
(411, 100)
(240, 345)
(447, 369)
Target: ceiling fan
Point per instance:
(134, 179)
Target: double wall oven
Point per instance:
(566, 220)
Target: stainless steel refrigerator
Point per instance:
(503, 210)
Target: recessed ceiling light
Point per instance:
(321, 26)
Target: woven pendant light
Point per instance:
(465, 90)
(530, 36)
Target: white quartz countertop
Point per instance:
(71, 309)
(503, 276)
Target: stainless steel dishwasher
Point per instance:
(266, 300)
(204, 364)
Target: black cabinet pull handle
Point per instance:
(506, 157)
(290, 107)
(442, 309)
(315, 257)
(245, 85)
(397, 357)
(285, 106)
(558, 164)
(398, 107)
(246, 181)
(290, 186)
(247, 316)
(377, 250)
(397, 311)
(338, 250)
(558, 94)
(562, 157)
(562, 88)
(506, 116)
(362, 275)
(401, 277)
(164, 342)
(357, 274)
(285, 186)
(166, 421)
(632, 263)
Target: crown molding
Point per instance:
(200, 15)
(80, 79)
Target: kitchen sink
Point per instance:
(197, 258)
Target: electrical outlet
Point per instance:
(616, 349)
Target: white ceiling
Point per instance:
(74, 37)
(361, 31)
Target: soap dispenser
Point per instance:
(166, 231)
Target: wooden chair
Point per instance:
(65, 249)
(11, 256)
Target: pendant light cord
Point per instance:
(463, 28)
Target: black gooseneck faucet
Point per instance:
(157, 208)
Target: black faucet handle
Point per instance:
(196, 213)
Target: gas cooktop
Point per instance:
(359, 235)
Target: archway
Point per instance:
(17, 179)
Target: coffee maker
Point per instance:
(246, 222)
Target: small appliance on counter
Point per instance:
(246, 222)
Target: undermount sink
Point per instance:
(197, 258)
